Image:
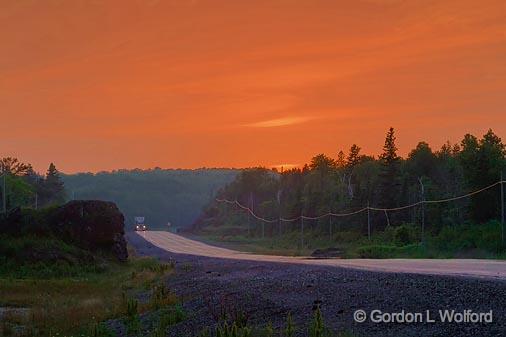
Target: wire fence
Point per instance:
(368, 208)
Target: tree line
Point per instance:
(162, 196)
(26, 188)
(353, 180)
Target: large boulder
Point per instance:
(92, 224)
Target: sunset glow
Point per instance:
(279, 122)
(101, 85)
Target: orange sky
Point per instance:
(98, 85)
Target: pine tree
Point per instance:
(389, 155)
(54, 190)
(389, 177)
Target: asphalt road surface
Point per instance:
(455, 267)
(211, 280)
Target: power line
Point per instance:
(367, 208)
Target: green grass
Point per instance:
(271, 246)
(77, 305)
(45, 257)
(463, 241)
(316, 327)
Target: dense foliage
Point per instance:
(161, 196)
(352, 181)
(25, 188)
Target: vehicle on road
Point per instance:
(140, 226)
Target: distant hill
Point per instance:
(174, 195)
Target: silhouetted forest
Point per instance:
(162, 196)
(352, 180)
(348, 182)
(26, 188)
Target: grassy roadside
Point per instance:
(465, 241)
(83, 304)
(238, 327)
(77, 305)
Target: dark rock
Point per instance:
(92, 224)
(53, 255)
(328, 253)
(89, 224)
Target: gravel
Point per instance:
(267, 292)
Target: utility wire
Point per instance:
(360, 210)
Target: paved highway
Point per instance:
(490, 269)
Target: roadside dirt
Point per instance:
(267, 290)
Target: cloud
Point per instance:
(285, 121)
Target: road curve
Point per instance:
(490, 269)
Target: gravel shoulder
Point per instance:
(267, 291)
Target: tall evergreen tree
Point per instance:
(54, 190)
(389, 184)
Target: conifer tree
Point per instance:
(54, 190)
(389, 184)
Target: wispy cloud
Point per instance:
(277, 122)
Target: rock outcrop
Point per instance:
(92, 224)
(88, 224)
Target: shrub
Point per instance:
(385, 251)
(406, 234)
(485, 237)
